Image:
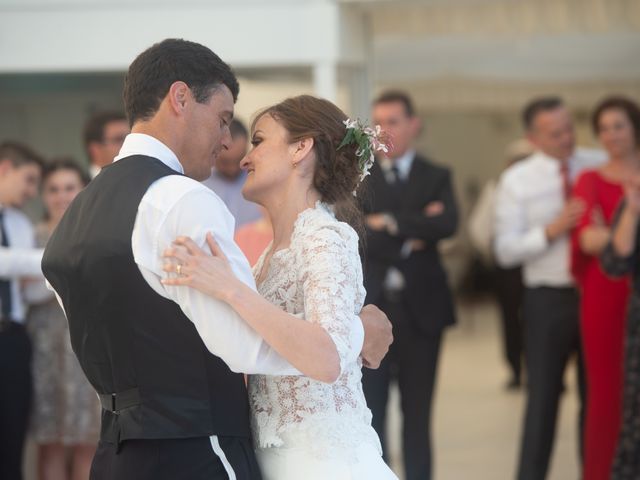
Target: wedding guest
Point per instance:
(411, 209)
(616, 122)
(227, 178)
(66, 412)
(20, 170)
(620, 258)
(534, 216)
(103, 135)
(254, 238)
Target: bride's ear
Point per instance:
(302, 149)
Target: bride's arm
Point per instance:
(306, 344)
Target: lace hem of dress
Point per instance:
(322, 437)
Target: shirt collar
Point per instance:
(142, 144)
(553, 163)
(403, 163)
(94, 170)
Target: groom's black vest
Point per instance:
(129, 340)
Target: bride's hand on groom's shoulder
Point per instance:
(378, 336)
(190, 266)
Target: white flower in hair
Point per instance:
(350, 123)
(369, 140)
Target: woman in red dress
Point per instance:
(603, 299)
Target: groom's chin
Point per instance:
(199, 174)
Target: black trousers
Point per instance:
(413, 358)
(15, 398)
(174, 459)
(509, 293)
(552, 337)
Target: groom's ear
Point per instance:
(178, 96)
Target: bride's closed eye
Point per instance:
(255, 141)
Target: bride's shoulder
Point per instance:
(319, 225)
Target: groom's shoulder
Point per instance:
(171, 190)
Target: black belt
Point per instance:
(115, 402)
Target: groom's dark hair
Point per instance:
(153, 72)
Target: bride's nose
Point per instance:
(244, 163)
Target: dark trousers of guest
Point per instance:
(509, 292)
(15, 398)
(552, 337)
(174, 459)
(413, 358)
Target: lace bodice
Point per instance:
(318, 278)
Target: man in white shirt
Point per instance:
(103, 135)
(164, 360)
(20, 170)
(534, 215)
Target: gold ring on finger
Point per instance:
(179, 269)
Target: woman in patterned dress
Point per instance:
(603, 300)
(621, 257)
(66, 414)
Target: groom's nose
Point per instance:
(226, 138)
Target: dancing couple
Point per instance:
(166, 316)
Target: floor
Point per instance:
(477, 422)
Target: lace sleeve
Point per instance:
(331, 276)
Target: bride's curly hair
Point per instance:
(337, 173)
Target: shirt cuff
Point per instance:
(537, 240)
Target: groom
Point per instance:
(162, 359)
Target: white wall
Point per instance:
(99, 35)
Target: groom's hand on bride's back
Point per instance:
(377, 336)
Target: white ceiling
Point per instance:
(510, 40)
(555, 58)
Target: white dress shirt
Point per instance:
(394, 280)
(20, 259)
(530, 196)
(94, 170)
(177, 205)
(402, 163)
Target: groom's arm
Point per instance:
(172, 207)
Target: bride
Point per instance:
(307, 160)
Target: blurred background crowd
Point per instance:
(501, 230)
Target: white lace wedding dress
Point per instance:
(303, 428)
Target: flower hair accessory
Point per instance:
(369, 140)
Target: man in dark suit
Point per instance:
(409, 207)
